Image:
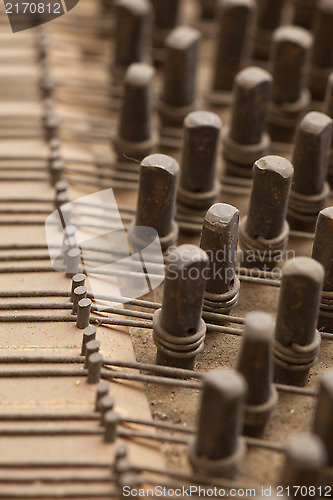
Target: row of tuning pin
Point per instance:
(236, 402)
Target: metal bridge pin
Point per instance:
(219, 239)
(246, 140)
(264, 232)
(83, 313)
(310, 191)
(136, 137)
(157, 197)
(198, 186)
(178, 330)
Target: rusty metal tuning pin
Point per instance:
(178, 330)
(328, 109)
(89, 334)
(323, 252)
(246, 140)
(106, 404)
(297, 341)
(136, 137)
(323, 423)
(178, 97)
(304, 12)
(125, 476)
(263, 233)
(61, 198)
(157, 197)
(322, 56)
(79, 293)
(291, 98)
(54, 154)
(218, 449)
(111, 421)
(269, 16)
(107, 6)
(219, 239)
(132, 39)
(305, 457)
(95, 363)
(310, 191)
(91, 347)
(166, 14)
(255, 363)
(198, 186)
(83, 313)
(236, 23)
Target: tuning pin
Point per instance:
(218, 449)
(297, 341)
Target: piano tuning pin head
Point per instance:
(255, 363)
(178, 329)
(246, 140)
(95, 363)
(198, 186)
(264, 232)
(219, 239)
(297, 340)
(102, 390)
(218, 450)
(136, 137)
(83, 313)
(178, 97)
(310, 191)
